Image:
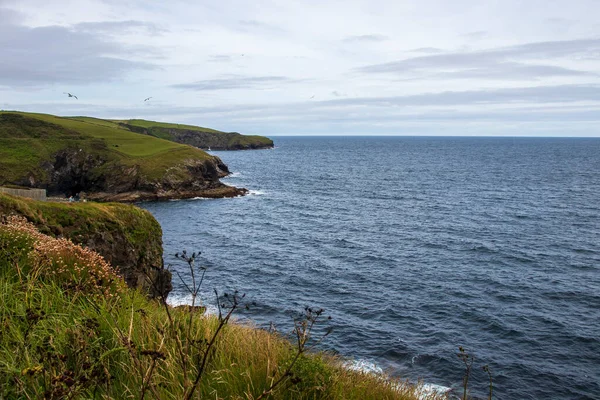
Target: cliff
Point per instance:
(196, 136)
(70, 328)
(109, 163)
(128, 237)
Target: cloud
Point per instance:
(540, 110)
(543, 99)
(220, 58)
(9, 16)
(119, 27)
(374, 38)
(252, 25)
(506, 62)
(56, 54)
(477, 35)
(519, 95)
(514, 71)
(426, 50)
(550, 49)
(234, 82)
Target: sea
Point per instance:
(415, 246)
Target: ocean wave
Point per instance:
(424, 390)
(363, 366)
(256, 193)
(233, 175)
(175, 300)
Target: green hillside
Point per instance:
(153, 124)
(196, 136)
(81, 153)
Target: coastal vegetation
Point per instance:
(103, 159)
(71, 328)
(197, 136)
(129, 238)
(193, 135)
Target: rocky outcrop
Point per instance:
(128, 237)
(213, 140)
(77, 171)
(73, 171)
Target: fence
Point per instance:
(36, 194)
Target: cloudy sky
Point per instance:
(351, 67)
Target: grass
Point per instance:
(129, 143)
(204, 137)
(29, 142)
(79, 221)
(151, 124)
(65, 336)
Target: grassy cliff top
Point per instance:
(27, 140)
(78, 220)
(122, 141)
(196, 135)
(142, 123)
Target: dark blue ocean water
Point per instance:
(416, 246)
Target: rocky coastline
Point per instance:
(220, 192)
(103, 161)
(74, 173)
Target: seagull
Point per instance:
(147, 99)
(71, 95)
(312, 97)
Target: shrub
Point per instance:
(59, 260)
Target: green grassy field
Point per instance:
(150, 124)
(28, 140)
(204, 138)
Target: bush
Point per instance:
(58, 260)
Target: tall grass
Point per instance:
(69, 328)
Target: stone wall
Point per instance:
(36, 194)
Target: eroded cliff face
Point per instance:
(129, 238)
(193, 178)
(76, 170)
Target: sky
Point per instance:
(313, 67)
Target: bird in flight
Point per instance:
(312, 97)
(146, 99)
(71, 95)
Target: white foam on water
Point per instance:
(363, 366)
(233, 175)
(186, 300)
(430, 389)
(424, 391)
(256, 193)
(179, 300)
